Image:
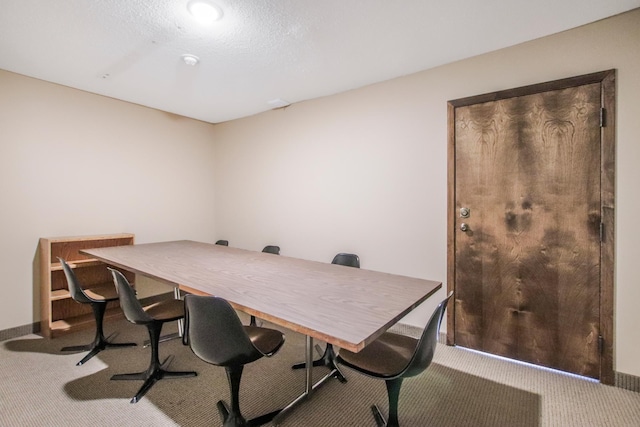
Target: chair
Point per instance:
(153, 317)
(393, 358)
(222, 242)
(216, 335)
(328, 357)
(98, 297)
(269, 249)
(349, 260)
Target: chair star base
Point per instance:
(99, 342)
(377, 414)
(95, 348)
(150, 377)
(229, 419)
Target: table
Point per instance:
(347, 307)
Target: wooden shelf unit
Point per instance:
(59, 313)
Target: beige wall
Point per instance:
(365, 171)
(73, 163)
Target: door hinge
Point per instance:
(603, 118)
(600, 344)
(602, 231)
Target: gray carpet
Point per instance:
(40, 386)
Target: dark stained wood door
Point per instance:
(527, 253)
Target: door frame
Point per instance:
(607, 79)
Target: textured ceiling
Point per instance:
(263, 50)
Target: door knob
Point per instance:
(464, 226)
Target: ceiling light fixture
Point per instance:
(204, 11)
(278, 103)
(190, 59)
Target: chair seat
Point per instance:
(166, 310)
(266, 340)
(384, 358)
(102, 292)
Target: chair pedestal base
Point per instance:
(377, 414)
(327, 359)
(155, 372)
(393, 394)
(96, 348)
(150, 378)
(230, 419)
(99, 342)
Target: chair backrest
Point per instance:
(128, 301)
(270, 249)
(222, 242)
(427, 344)
(215, 333)
(350, 260)
(74, 285)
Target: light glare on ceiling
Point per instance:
(190, 59)
(204, 11)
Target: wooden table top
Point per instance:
(348, 307)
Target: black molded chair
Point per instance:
(97, 296)
(393, 357)
(222, 242)
(269, 249)
(153, 317)
(349, 260)
(216, 335)
(329, 356)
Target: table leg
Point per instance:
(309, 386)
(308, 389)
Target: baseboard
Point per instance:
(34, 328)
(627, 381)
(19, 331)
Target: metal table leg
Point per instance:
(309, 386)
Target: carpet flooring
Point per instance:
(41, 386)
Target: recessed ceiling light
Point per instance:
(278, 103)
(204, 11)
(190, 59)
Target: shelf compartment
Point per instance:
(59, 313)
(60, 294)
(80, 263)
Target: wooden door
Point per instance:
(526, 213)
